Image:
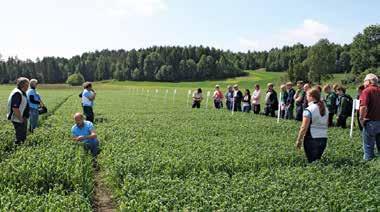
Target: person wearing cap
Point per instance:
(370, 116)
(299, 99)
(271, 101)
(289, 107)
(256, 99)
(88, 96)
(35, 102)
(218, 98)
(229, 97)
(18, 109)
(197, 98)
(84, 132)
(238, 97)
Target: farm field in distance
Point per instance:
(159, 154)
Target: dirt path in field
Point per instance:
(102, 198)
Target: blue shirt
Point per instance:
(86, 98)
(85, 130)
(36, 96)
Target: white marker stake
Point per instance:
(279, 109)
(355, 106)
(233, 105)
(175, 92)
(208, 95)
(166, 96)
(156, 92)
(188, 96)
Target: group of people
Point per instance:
(25, 105)
(315, 110)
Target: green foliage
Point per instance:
(75, 79)
(321, 61)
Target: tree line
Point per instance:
(193, 63)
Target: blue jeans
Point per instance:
(92, 147)
(33, 119)
(371, 137)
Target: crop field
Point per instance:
(157, 154)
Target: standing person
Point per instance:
(88, 97)
(344, 107)
(247, 101)
(18, 109)
(360, 91)
(306, 88)
(290, 101)
(197, 98)
(271, 101)
(330, 101)
(229, 97)
(84, 132)
(218, 98)
(35, 102)
(299, 98)
(313, 131)
(283, 100)
(370, 116)
(238, 97)
(256, 99)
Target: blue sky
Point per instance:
(38, 28)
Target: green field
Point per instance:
(160, 155)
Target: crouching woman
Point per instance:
(84, 132)
(313, 132)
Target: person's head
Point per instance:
(283, 88)
(319, 87)
(217, 87)
(300, 84)
(361, 89)
(79, 119)
(236, 87)
(370, 79)
(199, 90)
(229, 88)
(313, 95)
(87, 85)
(247, 92)
(327, 89)
(22, 83)
(335, 88)
(341, 90)
(257, 87)
(33, 83)
(289, 85)
(306, 87)
(270, 86)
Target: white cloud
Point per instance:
(308, 33)
(132, 7)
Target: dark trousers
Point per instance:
(289, 112)
(342, 121)
(92, 147)
(314, 148)
(229, 105)
(89, 113)
(247, 109)
(269, 110)
(359, 123)
(331, 118)
(237, 106)
(218, 104)
(299, 112)
(256, 109)
(196, 104)
(21, 130)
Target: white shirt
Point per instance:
(256, 97)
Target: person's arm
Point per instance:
(16, 102)
(363, 109)
(33, 100)
(302, 132)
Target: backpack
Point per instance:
(347, 101)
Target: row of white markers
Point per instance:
(356, 103)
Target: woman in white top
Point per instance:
(313, 132)
(197, 98)
(256, 99)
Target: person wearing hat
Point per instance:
(238, 97)
(229, 97)
(18, 109)
(271, 101)
(218, 98)
(370, 116)
(88, 97)
(35, 102)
